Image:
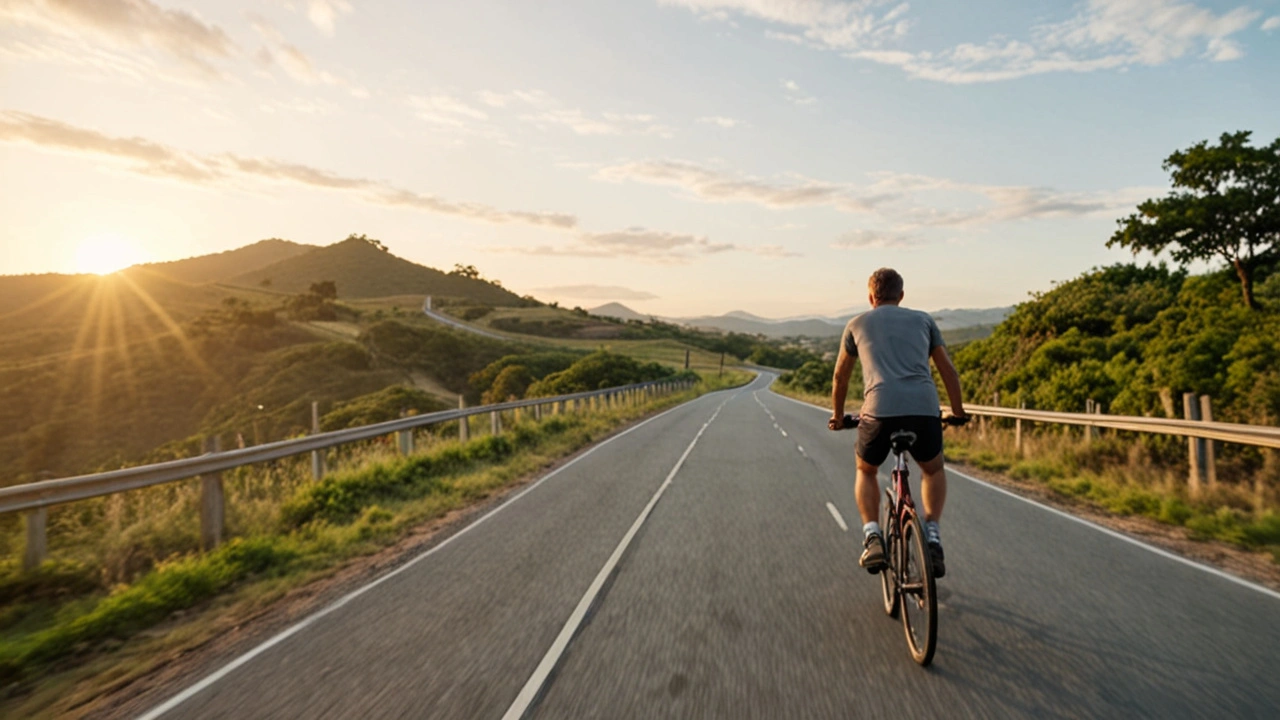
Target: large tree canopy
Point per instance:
(1225, 204)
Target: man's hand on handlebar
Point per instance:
(956, 419)
(842, 423)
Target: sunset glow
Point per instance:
(106, 253)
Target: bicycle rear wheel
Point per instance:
(888, 576)
(919, 596)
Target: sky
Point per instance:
(683, 157)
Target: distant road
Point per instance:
(442, 318)
(696, 566)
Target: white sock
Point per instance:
(871, 527)
(931, 530)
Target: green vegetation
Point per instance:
(601, 369)
(1223, 207)
(386, 404)
(1116, 474)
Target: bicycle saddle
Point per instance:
(901, 441)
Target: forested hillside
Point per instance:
(1134, 339)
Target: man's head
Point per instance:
(884, 287)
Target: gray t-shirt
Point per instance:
(894, 344)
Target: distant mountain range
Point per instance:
(810, 326)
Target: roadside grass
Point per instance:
(128, 566)
(1125, 475)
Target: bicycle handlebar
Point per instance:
(851, 421)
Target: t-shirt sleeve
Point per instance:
(935, 335)
(850, 345)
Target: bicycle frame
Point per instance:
(900, 503)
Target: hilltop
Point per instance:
(362, 269)
(222, 266)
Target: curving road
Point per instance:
(696, 566)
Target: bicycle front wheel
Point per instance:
(889, 575)
(918, 595)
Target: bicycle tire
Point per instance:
(888, 576)
(919, 597)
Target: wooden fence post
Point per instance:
(1206, 445)
(495, 422)
(37, 539)
(1017, 431)
(404, 440)
(1088, 429)
(212, 502)
(317, 456)
(537, 411)
(1191, 411)
(464, 423)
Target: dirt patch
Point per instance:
(1258, 567)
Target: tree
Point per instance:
(372, 241)
(1225, 204)
(325, 289)
(466, 271)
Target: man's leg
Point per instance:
(867, 492)
(933, 488)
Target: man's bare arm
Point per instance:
(950, 379)
(840, 386)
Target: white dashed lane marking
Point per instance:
(839, 519)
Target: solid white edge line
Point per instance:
(1118, 535)
(836, 514)
(529, 693)
(227, 669)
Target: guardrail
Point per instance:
(1202, 433)
(35, 498)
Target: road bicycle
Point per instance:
(907, 584)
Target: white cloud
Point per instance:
(1271, 23)
(838, 24)
(445, 110)
(724, 122)
(152, 159)
(180, 34)
(797, 95)
(293, 61)
(1099, 35)
(905, 200)
(868, 239)
(596, 292)
(539, 109)
(636, 243)
(324, 13)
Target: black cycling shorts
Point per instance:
(873, 436)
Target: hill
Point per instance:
(363, 270)
(1134, 339)
(619, 311)
(222, 266)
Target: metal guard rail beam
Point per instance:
(31, 496)
(1258, 435)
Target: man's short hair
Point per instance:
(885, 285)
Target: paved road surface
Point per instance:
(738, 596)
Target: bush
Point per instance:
(601, 369)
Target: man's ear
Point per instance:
(871, 299)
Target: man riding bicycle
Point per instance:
(895, 345)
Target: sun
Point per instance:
(106, 253)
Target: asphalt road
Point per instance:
(663, 576)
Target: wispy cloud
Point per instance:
(643, 244)
(1098, 35)
(716, 186)
(868, 239)
(1271, 23)
(596, 292)
(148, 158)
(724, 122)
(295, 63)
(902, 199)
(179, 34)
(838, 24)
(797, 95)
(539, 109)
(324, 14)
